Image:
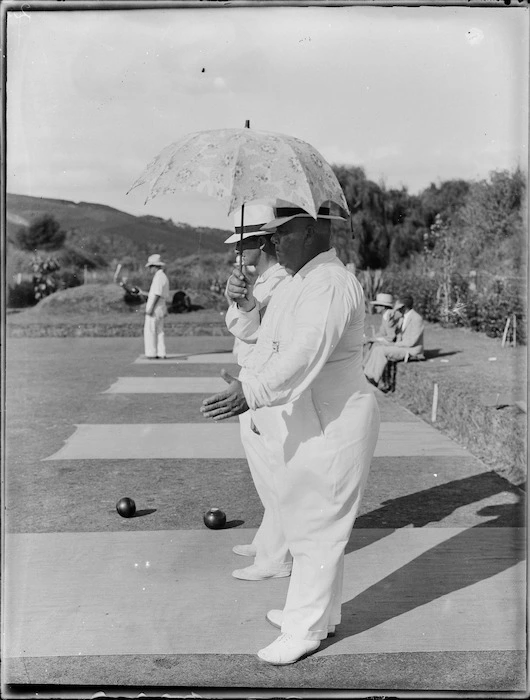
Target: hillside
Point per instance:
(89, 220)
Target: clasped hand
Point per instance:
(239, 289)
(228, 403)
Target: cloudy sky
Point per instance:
(414, 95)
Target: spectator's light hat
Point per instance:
(283, 214)
(155, 261)
(383, 300)
(255, 215)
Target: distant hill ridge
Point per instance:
(88, 219)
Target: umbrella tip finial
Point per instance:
(247, 123)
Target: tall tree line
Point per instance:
(391, 227)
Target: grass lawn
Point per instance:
(31, 323)
(469, 369)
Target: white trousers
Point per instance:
(269, 540)
(379, 356)
(320, 468)
(154, 341)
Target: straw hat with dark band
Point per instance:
(285, 214)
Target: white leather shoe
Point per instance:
(275, 618)
(255, 573)
(287, 649)
(244, 550)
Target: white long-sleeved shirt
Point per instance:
(312, 332)
(242, 324)
(159, 287)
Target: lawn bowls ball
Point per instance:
(215, 519)
(126, 507)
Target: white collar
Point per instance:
(272, 270)
(327, 256)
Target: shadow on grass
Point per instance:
(471, 556)
(233, 523)
(434, 504)
(436, 352)
(145, 511)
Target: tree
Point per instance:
(443, 200)
(43, 234)
(366, 201)
(491, 222)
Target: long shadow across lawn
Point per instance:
(467, 558)
(434, 504)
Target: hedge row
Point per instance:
(485, 310)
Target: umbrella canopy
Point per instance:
(243, 166)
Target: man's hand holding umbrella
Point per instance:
(239, 289)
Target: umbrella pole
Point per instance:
(241, 239)
(247, 126)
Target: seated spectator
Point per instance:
(384, 303)
(408, 342)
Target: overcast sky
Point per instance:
(414, 95)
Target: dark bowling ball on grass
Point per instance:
(126, 507)
(215, 519)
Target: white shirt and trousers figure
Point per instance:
(272, 557)
(408, 342)
(156, 310)
(310, 400)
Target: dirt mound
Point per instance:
(103, 298)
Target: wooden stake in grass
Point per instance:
(434, 403)
(505, 334)
(117, 272)
(514, 330)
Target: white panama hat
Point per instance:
(154, 260)
(383, 300)
(255, 215)
(283, 214)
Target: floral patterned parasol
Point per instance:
(243, 166)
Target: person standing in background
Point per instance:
(262, 273)
(156, 310)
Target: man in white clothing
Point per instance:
(308, 397)
(390, 317)
(408, 341)
(262, 273)
(155, 310)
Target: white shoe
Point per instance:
(255, 573)
(287, 650)
(244, 550)
(275, 618)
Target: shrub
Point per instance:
(68, 278)
(488, 310)
(20, 296)
(44, 276)
(485, 310)
(43, 234)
